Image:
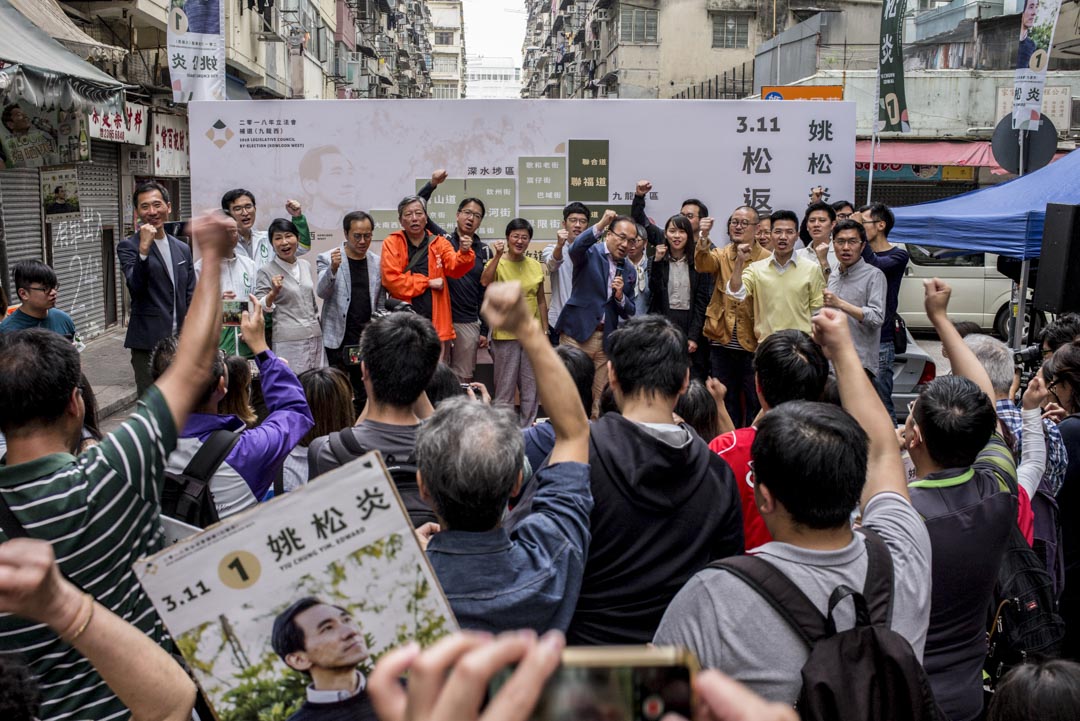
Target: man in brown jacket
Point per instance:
(729, 323)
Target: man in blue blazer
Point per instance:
(602, 292)
(160, 277)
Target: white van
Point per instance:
(980, 293)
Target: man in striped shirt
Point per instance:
(99, 510)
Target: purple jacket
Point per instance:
(258, 455)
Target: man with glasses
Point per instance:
(858, 289)
(350, 284)
(255, 244)
(466, 292)
(729, 323)
(36, 285)
(575, 221)
(416, 263)
(602, 294)
(785, 289)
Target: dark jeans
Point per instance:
(735, 369)
(140, 363)
(336, 359)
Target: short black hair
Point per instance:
(20, 694)
(956, 418)
(286, 636)
(282, 225)
(148, 187)
(355, 217)
(842, 204)
(466, 201)
(1045, 689)
(39, 370)
(27, 272)
(576, 207)
(401, 351)
(163, 355)
(849, 224)
(880, 212)
(1064, 329)
(788, 215)
(232, 195)
(697, 408)
(789, 366)
(966, 327)
(820, 205)
(519, 224)
(702, 208)
(649, 354)
(582, 371)
(443, 384)
(812, 457)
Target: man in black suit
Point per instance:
(160, 277)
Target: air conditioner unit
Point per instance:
(601, 14)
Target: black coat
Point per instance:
(701, 289)
(153, 294)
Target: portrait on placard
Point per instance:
(249, 600)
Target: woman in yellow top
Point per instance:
(513, 373)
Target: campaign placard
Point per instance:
(344, 540)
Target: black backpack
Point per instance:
(186, 496)
(1024, 623)
(345, 448)
(864, 673)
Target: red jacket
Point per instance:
(443, 262)
(734, 447)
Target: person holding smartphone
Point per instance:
(513, 371)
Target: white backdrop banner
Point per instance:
(522, 158)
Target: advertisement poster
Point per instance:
(522, 159)
(892, 102)
(197, 49)
(171, 146)
(120, 126)
(32, 138)
(60, 193)
(344, 541)
(1037, 24)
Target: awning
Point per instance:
(50, 17)
(975, 153)
(236, 89)
(42, 72)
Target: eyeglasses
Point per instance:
(1051, 391)
(624, 238)
(471, 214)
(843, 216)
(784, 232)
(523, 238)
(362, 236)
(242, 208)
(740, 223)
(44, 289)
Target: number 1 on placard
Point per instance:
(239, 568)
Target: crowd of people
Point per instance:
(726, 472)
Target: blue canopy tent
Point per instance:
(1006, 219)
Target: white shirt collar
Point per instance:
(793, 259)
(316, 696)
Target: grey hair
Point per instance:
(470, 456)
(409, 200)
(996, 358)
(641, 231)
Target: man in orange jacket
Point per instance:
(415, 264)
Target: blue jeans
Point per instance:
(884, 385)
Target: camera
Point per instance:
(1029, 358)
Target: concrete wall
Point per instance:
(943, 19)
(836, 40)
(941, 103)
(686, 53)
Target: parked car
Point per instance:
(912, 370)
(980, 293)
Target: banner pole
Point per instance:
(1025, 265)
(870, 176)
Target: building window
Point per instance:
(637, 25)
(730, 30)
(446, 64)
(444, 37)
(444, 91)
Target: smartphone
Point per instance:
(466, 386)
(254, 368)
(351, 355)
(635, 683)
(231, 311)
